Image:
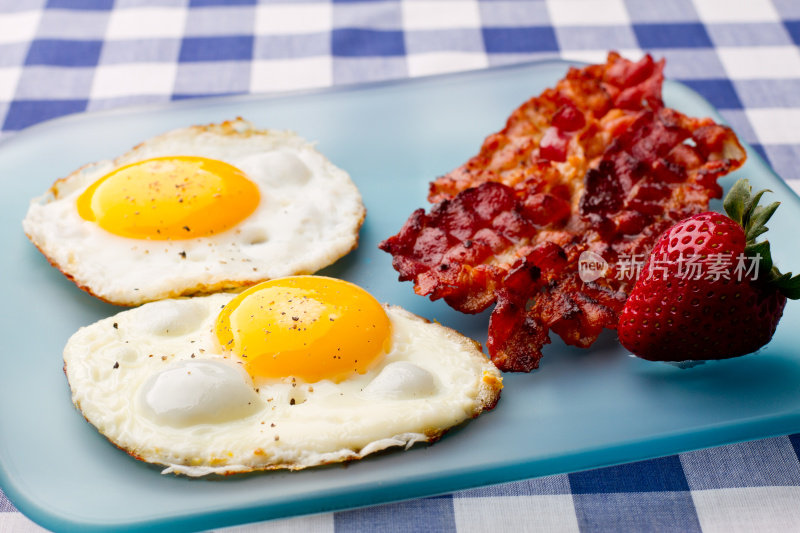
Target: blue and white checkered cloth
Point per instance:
(68, 56)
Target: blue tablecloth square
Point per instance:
(515, 40)
(795, 440)
(685, 35)
(354, 42)
(217, 48)
(64, 53)
(655, 475)
(90, 5)
(721, 93)
(24, 113)
(793, 27)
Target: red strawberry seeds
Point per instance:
(708, 290)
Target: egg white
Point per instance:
(308, 217)
(432, 379)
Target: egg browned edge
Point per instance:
(490, 388)
(226, 128)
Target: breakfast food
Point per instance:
(197, 210)
(591, 171)
(291, 373)
(709, 290)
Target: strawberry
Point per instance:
(708, 289)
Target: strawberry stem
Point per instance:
(742, 206)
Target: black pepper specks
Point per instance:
(116, 326)
(116, 365)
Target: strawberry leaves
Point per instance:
(742, 206)
(786, 283)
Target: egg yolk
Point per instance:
(309, 327)
(176, 197)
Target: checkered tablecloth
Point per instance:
(69, 56)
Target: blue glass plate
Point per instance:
(582, 409)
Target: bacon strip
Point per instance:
(596, 164)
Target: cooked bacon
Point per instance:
(596, 164)
(573, 122)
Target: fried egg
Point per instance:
(197, 210)
(289, 374)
